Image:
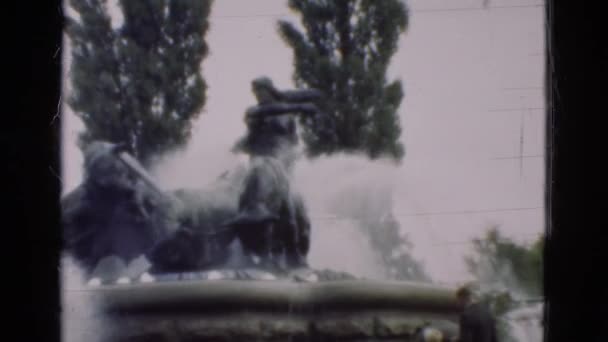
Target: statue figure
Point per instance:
(261, 211)
(201, 241)
(113, 213)
(272, 223)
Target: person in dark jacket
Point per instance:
(477, 323)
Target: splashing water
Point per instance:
(332, 187)
(525, 323)
(341, 246)
(80, 318)
(338, 189)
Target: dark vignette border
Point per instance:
(575, 256)
(577, 200)
(30, 139)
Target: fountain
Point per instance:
(228, 262)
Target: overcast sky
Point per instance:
(473, 81)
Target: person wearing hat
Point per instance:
(477, 323)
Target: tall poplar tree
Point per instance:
(138, 82)
(344, 50)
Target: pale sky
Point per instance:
(473, 81)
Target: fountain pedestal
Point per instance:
(275, 310)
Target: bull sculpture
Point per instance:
(254, 213)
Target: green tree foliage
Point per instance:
(370, 206)
(517, 269)
(140, 83)
(501, 260)
(394, 249)
(345, 51)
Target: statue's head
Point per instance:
(464, 295)
(264, 90)
(103, 168)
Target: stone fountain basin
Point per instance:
(277, 310)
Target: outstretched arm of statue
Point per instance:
(274, 109)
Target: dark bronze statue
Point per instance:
(272, 223)
(201, 242)
(113, 213)
(119, 211)
(267, 218)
